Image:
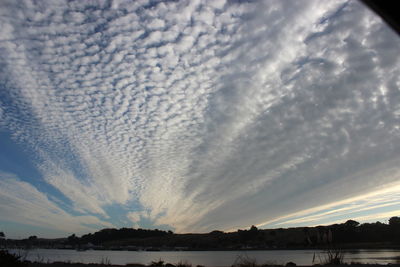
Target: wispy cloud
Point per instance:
(349, 208)
(202, 114)
(21, 202)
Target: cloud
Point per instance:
(134, 216)
(21, 202)
(208, 115)
(386, 197)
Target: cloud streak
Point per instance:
(21, 202)
(202, 114)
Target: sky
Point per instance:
(196, 115)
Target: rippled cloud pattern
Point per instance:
(197, 115)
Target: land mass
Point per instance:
(350, 234)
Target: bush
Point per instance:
(159, 263)
(332, 257)
(183, 264)
(10, 260)
(245, 261)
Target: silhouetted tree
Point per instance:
(110, 234)
(350, 233)
(394, 221)
(253, 228)
(2, 238)
(394, 224)
(216, 232)
(73, 239)
(351, 223)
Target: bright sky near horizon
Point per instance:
(196, 115)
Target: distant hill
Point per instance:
(350, 234)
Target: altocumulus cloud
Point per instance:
(200, 115)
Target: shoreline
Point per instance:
(334, 258)
(67, 264)
(344, 248)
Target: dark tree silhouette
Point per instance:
(32, 237)
(351, 223)
(253, 228)
(394, 221)
(350, 234)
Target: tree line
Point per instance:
(350, 234)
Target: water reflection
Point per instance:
(206, 258)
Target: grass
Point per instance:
(183, 264)
(159, 263)
(9, 259)
(105, 261)
(246, 261)
(331, 256)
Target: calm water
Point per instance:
(206, 258)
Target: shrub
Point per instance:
(159, 263)
(10, 260)
(244, 261)
(332, 257)
(183, 264)
(105, 261)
